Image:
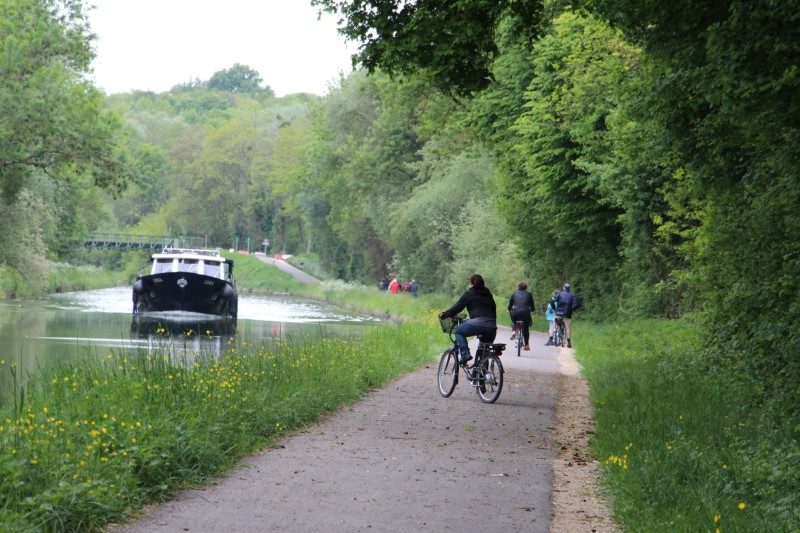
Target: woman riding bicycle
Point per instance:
(520, 306)
(479, 302)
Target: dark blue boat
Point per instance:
(191, 280)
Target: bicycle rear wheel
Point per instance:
(518, 337)
(490, 379)
(447, 375)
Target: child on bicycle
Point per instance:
(550, 316)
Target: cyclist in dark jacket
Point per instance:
(520, 306)
(566, 304)
(479, 303)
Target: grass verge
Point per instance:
(90, 441)
(254, 276)
(310, 264)
(684, 447)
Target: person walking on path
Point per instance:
(520, 306)
(413, 288)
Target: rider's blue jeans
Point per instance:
(466, 329)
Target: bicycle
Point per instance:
(518, 336)
(558, 338)
(485, 373)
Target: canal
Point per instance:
(39, 333)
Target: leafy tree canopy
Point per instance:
(452, 40)
(237, 79)
(51, 119)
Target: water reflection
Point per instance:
(182, 335)
(144, 325)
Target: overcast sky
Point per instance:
(156, 44)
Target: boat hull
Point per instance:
(185, 291)
(188, 326)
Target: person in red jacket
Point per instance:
(394, 286)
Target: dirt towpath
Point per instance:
(405, 459)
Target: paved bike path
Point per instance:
(295, 272)
(402, 458)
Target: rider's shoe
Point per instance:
(569, 343)
(513, 336)
(549, 342)
(527, 347)
(464, 358)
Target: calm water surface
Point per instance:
(41, 332)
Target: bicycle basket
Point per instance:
(447, 324)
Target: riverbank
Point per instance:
(88, 442)
(58, 277)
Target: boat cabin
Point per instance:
(204, 262)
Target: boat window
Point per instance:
(188, 265)
(162, 265)
(212, 269)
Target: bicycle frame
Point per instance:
(560, 331)
(485, 373)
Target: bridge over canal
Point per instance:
(125, 241)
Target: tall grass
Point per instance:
(684, 447)
(57, 277)
(90, 441)
(64, 278)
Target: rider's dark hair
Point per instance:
(476, 280)
(522, 286)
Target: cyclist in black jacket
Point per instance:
(520, 306)
(479, 302)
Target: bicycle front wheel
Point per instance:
(447, 375)
(490, 380)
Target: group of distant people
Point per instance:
(395, 287)
(480, 305)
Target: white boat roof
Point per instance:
(189, 253)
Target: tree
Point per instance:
(51, 119)
(237, 79)
(451, 40)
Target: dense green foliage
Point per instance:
(685, 447)
(647, 151)
(452, 41)
(237, 79)
(58, 145)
